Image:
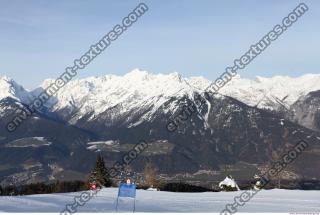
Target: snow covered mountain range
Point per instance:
(143, 90)
(243, 126)
(139, 89)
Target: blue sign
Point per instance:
(127, 190)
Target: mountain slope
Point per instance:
(271, 93)
(111, 114)
(225, 132)
(306, 111)
(39, 147)
(141, 88)
(125, 94)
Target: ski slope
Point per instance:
(156, 201)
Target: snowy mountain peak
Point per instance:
(142, 75)
(5, 78)
(138, 74)
(9, 88)
(132, 91)
(271, 92)
(176, 76)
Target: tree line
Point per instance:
(99, 177)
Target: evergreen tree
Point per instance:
(99, 174)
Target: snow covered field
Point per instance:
(153, 201)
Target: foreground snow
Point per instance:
(148, 201)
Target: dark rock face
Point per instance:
(306, 111)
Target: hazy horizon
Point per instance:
(160, 73)
(40, 39)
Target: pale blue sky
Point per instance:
(38, 38)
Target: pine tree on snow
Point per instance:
(99, 175)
